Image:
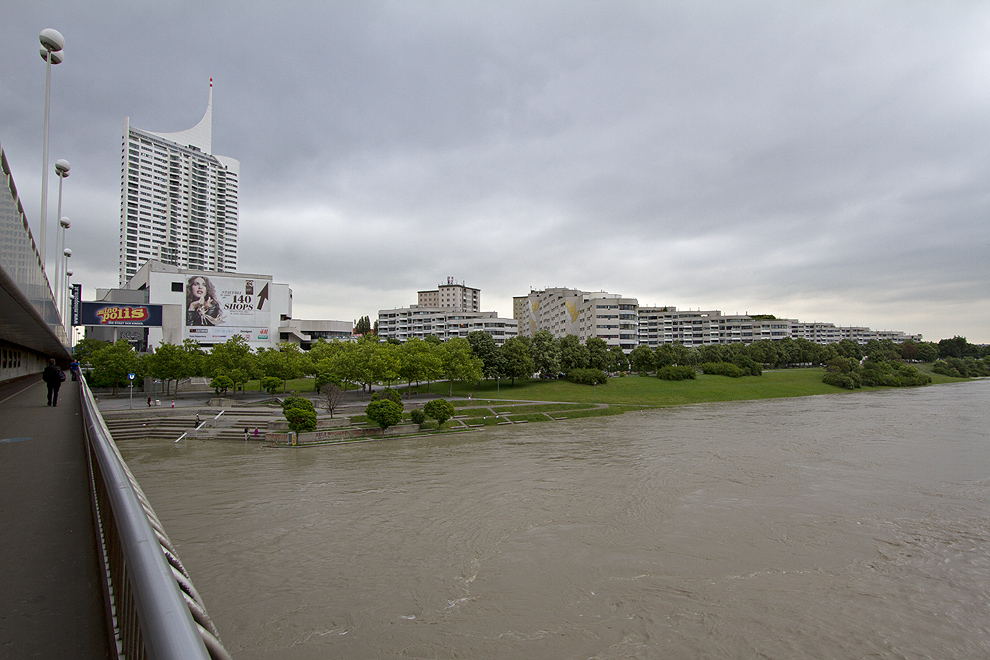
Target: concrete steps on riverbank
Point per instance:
(158, 423)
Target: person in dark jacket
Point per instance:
(53, 377)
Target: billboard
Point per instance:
(110, 314)
(76, 299)
(218, 308)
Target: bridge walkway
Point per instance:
(51, 598)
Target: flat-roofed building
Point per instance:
(404, 323)
(451, 296)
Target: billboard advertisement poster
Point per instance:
(76, 299)
(218, 308)
(119, 314)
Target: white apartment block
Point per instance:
(563, 312)
(668, 325)
(451, 296)
(622, 322)
(417, 321)
(178, 201)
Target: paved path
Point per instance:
(51, 600)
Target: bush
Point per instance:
(847, 373)
(587, 376)
(749, 366)
(840, 380)
(721, 369)
(677, 373)
(892, 374)
(968, 367)
(384, 412)
(417, 416)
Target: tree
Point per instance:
(459, 363)
(271, 384)
(384, 412)
(419, 360)
(927, 351)
(573, 354)
(113, 362)
(331, 396)
(664, 356)
(300, 413)
(362, 326)
(545, 351)
(84, 348)
(516, 360)
(484, 348)
(389, 394)
(642, 358)
(617, 360)
(384, 363)
(169, 363)
(233, 358)
(440, 410)
(221, 383)
(195, 358)
(957, 347)
(597, 353)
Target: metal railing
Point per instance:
(152, 606)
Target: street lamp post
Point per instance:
(52, 43)
(66, 253)
(63, 224)
(62, 171)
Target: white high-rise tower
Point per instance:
(178, 202)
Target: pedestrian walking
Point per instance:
(149, 400)
(245, 433)
(197, 419)
(53, 377)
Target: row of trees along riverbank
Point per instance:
(233, 364)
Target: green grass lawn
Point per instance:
(635, 391)
(650, 391)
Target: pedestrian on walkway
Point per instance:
(197, 419)
(53, 377)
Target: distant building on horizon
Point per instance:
(620, 321)
(451, 310)
(451, 296)
(178, 201)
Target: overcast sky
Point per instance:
(824, 161)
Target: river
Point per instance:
(840, 526)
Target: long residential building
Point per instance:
(620, 321)
(405, 323)
(585, 314)
(178, 201)
(452, 310)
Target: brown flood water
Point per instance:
(841, 526)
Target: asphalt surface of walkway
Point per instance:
(51, 598)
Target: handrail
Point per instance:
(154, 610)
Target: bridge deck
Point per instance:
(51, 601)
